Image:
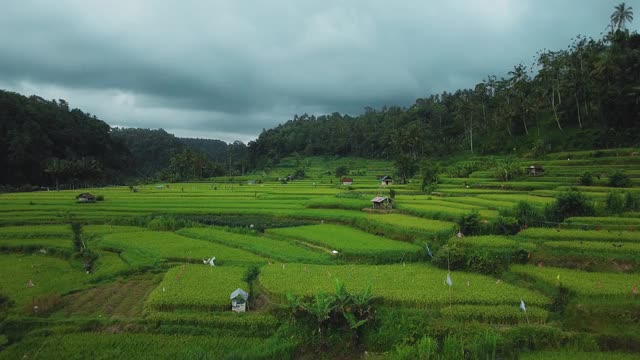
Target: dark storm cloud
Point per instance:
(227, 69)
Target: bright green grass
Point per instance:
(496, 314)
(601, 189)
(225, 320)
(197, 287)
(474, 191)
(411, 222)
(576, 355)
(338, 203)
(266, 246)
(82, 346)
(150, 247)
(494, 242)
(522, 185)
(350, 242)
(604, 221)
(411, 284)
(534, 200)
(548, 234)
(490, 204)
(442, 212)
(35, 242)
(591, 248)
(43, 231)
(581, 282)
(108, 264)
(596, 153)
(555, 193)
(415, 200)
(49, 275)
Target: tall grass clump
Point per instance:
(620, 179)
(569, 204)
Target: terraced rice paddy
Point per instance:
(351, 242)
(411, 284)
(149, 295)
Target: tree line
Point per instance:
(584, 96)
(46, 143)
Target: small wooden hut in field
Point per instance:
(380, 202)
(535, 170)
(85, 198)
(239, 300)
(386, 180)
(346, 181)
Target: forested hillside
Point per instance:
(586, 96)
(44, 142)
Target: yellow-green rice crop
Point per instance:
(274, 248)
(149, 247)
(197, 287)
(351, 242)
(128, 346)
(548, 234)
(49, 275)
(497, 314)
(582, 282)
(411, 284)
(577, 355)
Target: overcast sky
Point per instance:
(228, 69)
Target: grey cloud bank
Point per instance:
(228, 69)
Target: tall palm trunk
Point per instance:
(578, 107)
(553, 106)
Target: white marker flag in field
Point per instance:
(449, 282)
(523, 307)
(428, 250)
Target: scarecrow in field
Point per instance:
(210, 261)
(30, 284)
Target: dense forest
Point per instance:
(46, 143)
(585, 96)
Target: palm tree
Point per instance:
(620, 16)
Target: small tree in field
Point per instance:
(429, 173)
(77, 243)
(341, 171)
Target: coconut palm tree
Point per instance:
(620, 16)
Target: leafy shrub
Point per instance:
(614, 202)
(452, 257)
(251, 274)
(429, 174)
(452, 348)
(424, 349)
(569, 204)
(43, 305)
(166, 223)
(470, 224)
(632, 201)
(619, 179)
(76, 229)
(507, 169)
(299, 173)
(527, 214)
(505, 225)
(586, 179)
(341, 171)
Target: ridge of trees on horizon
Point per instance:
(582, 97)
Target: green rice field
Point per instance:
(133, 283)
